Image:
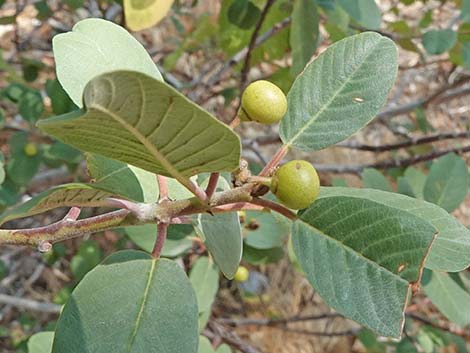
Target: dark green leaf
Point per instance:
(364, 12)
(304, 33)
(243, 13)
(362, 257)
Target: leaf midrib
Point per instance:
(142, 306)
(333, 97)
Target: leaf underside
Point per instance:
(362, 258)
(141, 121)
(67, 195)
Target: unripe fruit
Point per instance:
(263, 102)
(296, 184)
(242, 274)
(30, 149)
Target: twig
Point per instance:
(274, 162)
(251, 45)
(235, 59)
(162, 230)
(444, 327)
(351, 332)
(30, 304)
(275, 207)
(229, 337)
(162, 188)
(274, 322)
(394, 163)
(413, 141)
(212, 184)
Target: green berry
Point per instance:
(242, 274)
(30, 149)
(263, 102)
(296, 184)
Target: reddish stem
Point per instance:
(212, 185)
(162, 188)
(237, 206)
(275, 207)
(274, 162)
(162, 229)
(235, 122)
(73, 214)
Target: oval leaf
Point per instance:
(447, 182)
(138, 120)
(204, 277)
(93, 47)
(339, 92)
(222, 236)
(451, 299)
(142, 14)
(451, 249)
(154, 308)
(41, 342)
(362, 258)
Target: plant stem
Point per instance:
(162, 188)
(162, 230)
(212, 185)
(274, 162)
(275, 207)
(260, 180)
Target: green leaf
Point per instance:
(138, 120)
(374, 179)
(122, 179)
(87, 257)
(439, 41)
(41, 342)
(261, 257)
(362, 257)
(451, 249)
(205, 345)
(243, 13)
(222, 237)
(60, 101)
(364, 12)
(304, 33)
(204, 277)
(448, 297)
(93, 47)
(21, 168)
(263, 231)
(176, 244)
(416, 179)
(155, 308)
(2, 168)
(142, 14)
(447, 182)
(465, 12)
(67, 195)
(339, 92)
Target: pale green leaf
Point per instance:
(205, 345)
(93, 47)
(447, 182)
(451, 249)
(263, 231)
(123, 179)
(339, 92)
(138, 120)
(155, 307)
(364, 12)
(304, 33)
(67, 195)
(451, 299)
(204, 277)
(362, 257)
(142, 14)
(416, 179)
(221, 234)
(41, 342)
(178, 239)
(374, 179)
